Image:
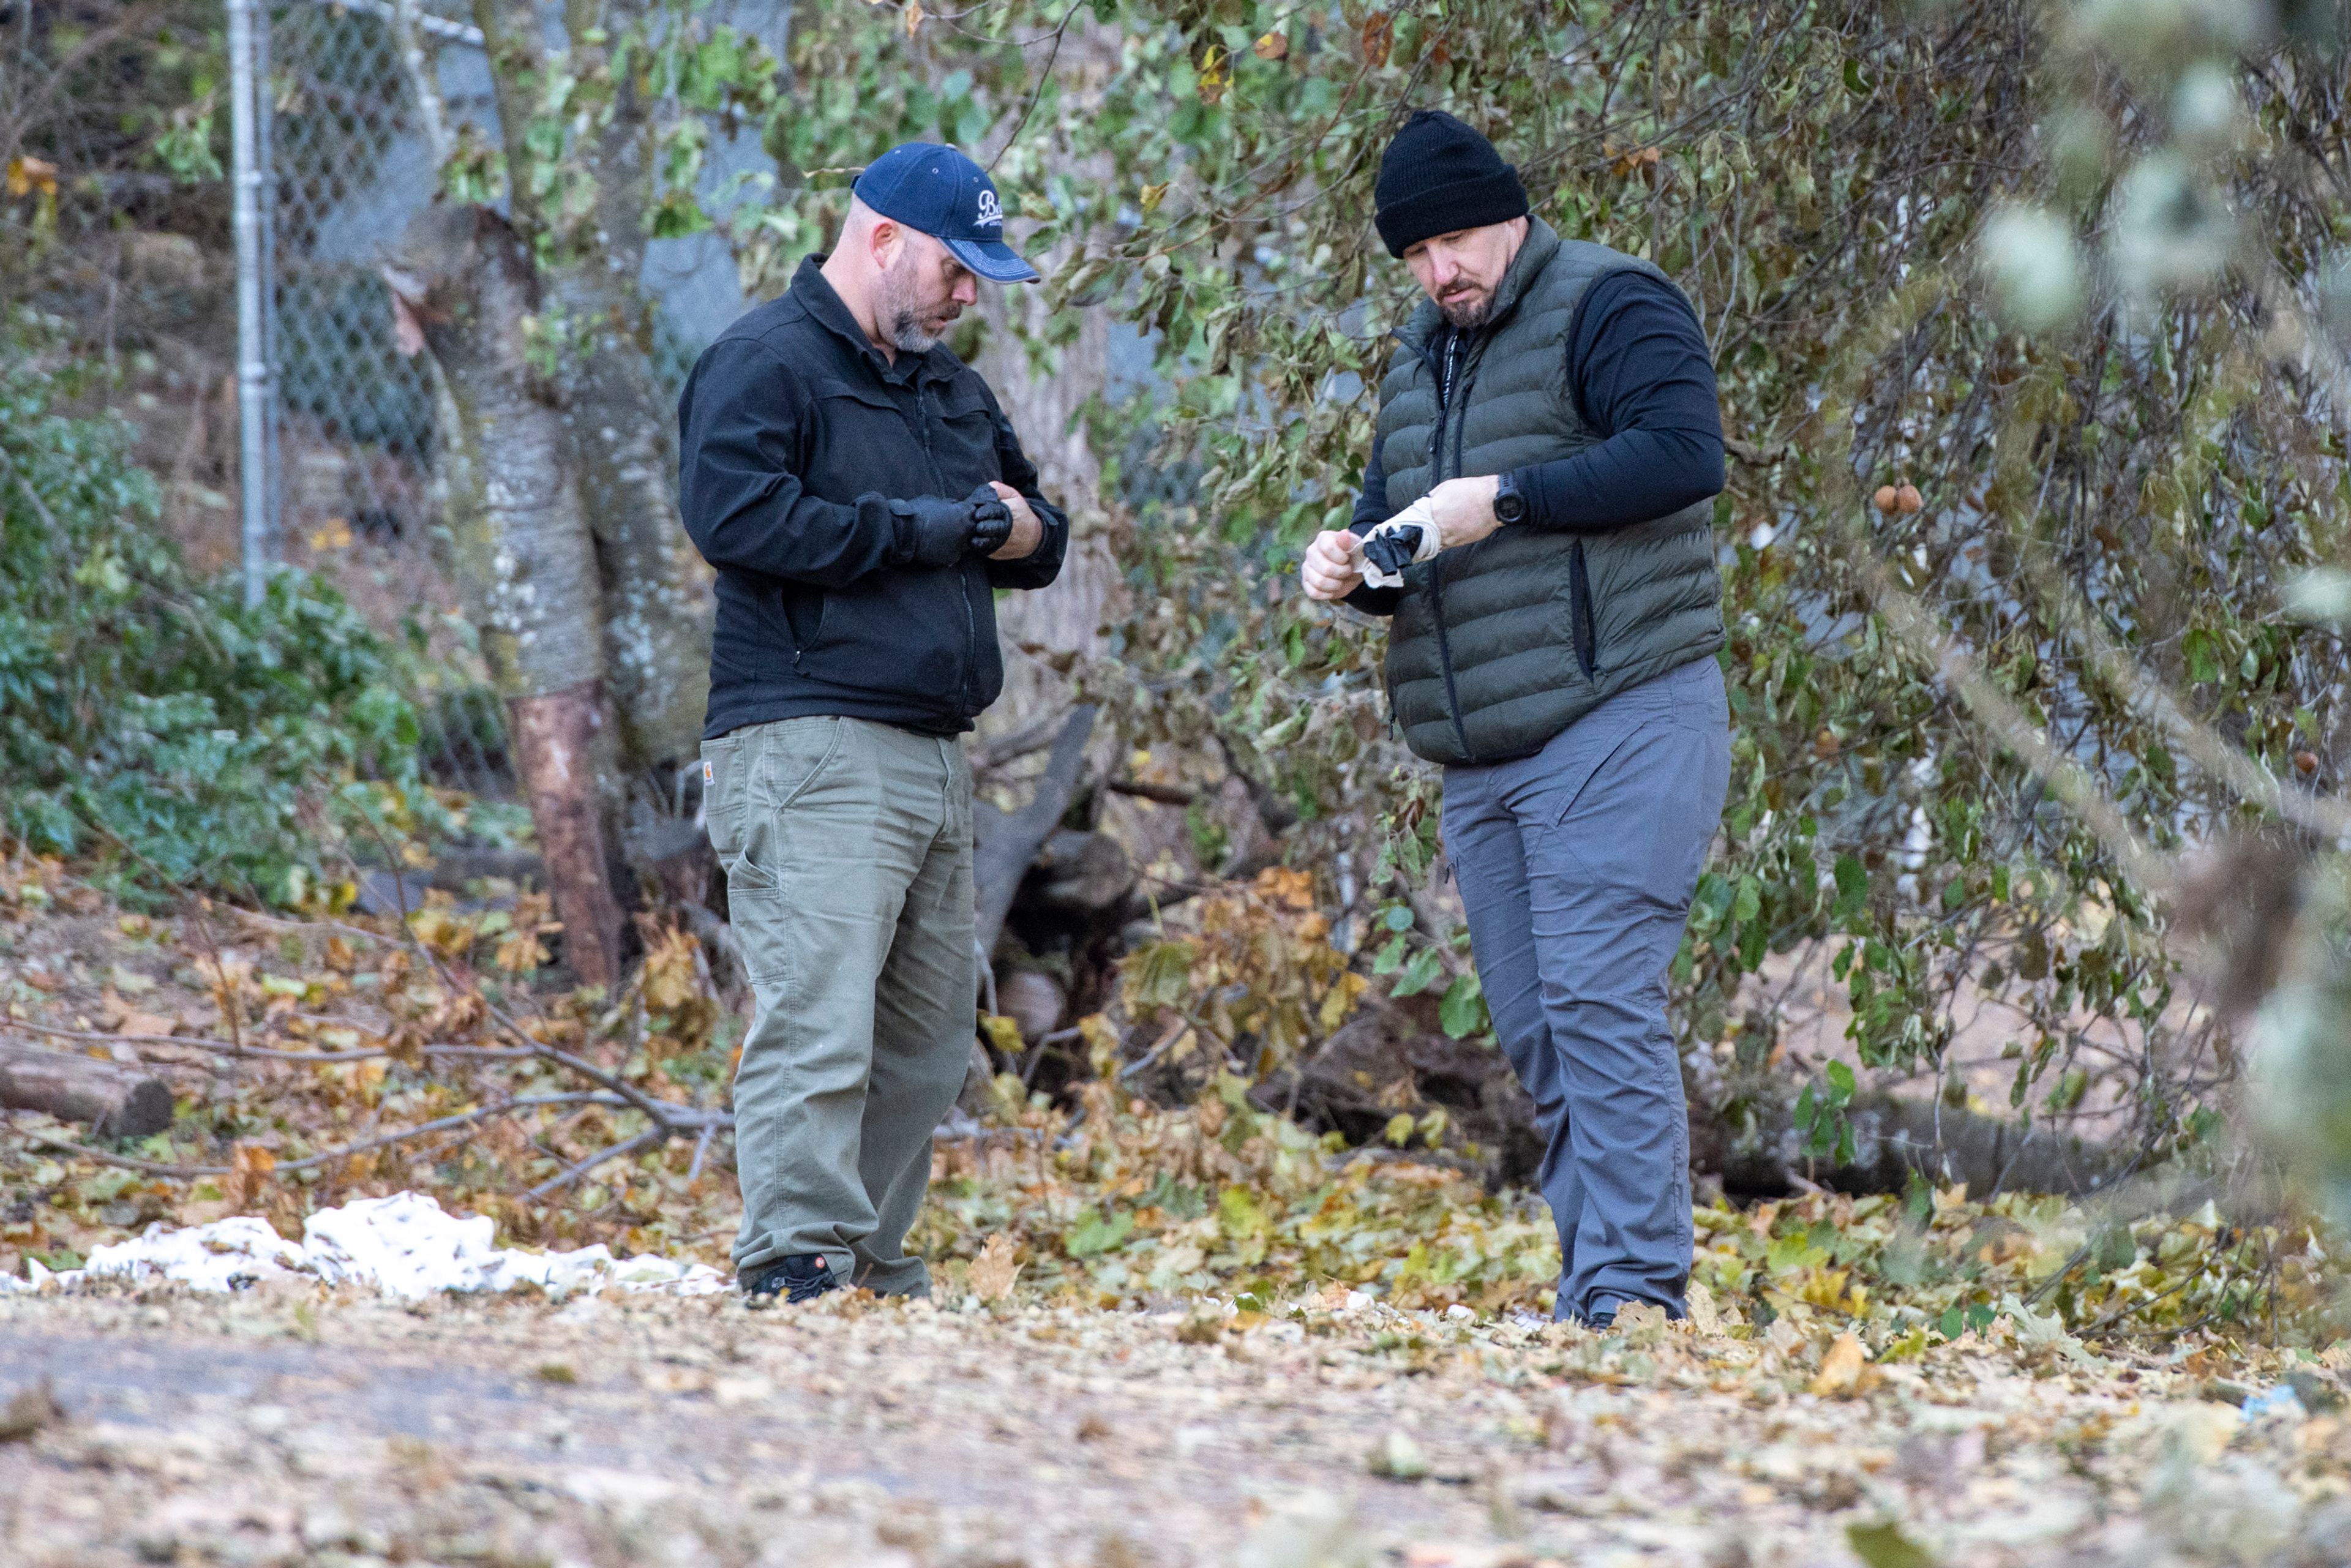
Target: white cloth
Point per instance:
(1419, 515)
(404, 1245)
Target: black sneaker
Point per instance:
(802, 1277)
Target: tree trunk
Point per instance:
(118, 1102)
(526, 560)
(555, 747)
(623, 425)
(1045, 632)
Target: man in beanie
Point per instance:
(1551, 408)
(862, 497)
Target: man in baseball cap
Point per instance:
(863, 498)
(937, 190)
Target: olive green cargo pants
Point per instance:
(847, 848)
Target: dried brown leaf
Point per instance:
(994, 1270)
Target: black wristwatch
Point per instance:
(1510, 506)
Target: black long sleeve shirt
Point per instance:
(1643, 381)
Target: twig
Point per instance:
(222, 1047)
(1033, 737)
(1175, 1032)
(157, 1167)
(655, 1134)
(230, 1005)
(662, 1111)
(1043, 81)
(2136, 1307)
(1165, 794)
(284, 925)
(423, 71)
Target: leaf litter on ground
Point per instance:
(1899, 1379)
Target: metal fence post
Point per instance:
(248, 103)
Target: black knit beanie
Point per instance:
(1439, 175)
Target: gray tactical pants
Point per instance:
(847, 847)
(1576, 866)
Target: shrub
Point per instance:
(151, 724)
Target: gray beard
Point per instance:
(1468, 318)
(899, 319)
(907, 338)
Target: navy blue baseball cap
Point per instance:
(944, 195)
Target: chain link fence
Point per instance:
(346, 166)
(354, 488)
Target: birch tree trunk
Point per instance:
(657, 601)
(526, 559)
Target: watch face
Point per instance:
(1508, 505)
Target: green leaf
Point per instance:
(1463, 1010)
(1418, 975)
(1883, 1544)
(1856, 83)
(1841, 1084)
(1162, 974)
(1239, 1215)
(1853, 888)
(2203, 655)
(1094, 1234)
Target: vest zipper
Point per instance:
(1437, 567)
(1445, 657)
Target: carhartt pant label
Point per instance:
(1576, 867)
(847, 848)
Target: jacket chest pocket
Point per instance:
(962, 434)
(867, 444)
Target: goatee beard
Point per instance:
(1469, 317)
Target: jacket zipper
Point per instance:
(1437, 567)
(963, 569)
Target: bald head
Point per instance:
(903, 286)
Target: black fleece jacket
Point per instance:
(797, 436)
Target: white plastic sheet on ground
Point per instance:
(403, 1245)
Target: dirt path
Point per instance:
(287, 1427)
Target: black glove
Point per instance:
(991, 522)
(947, 532)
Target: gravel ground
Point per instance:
(286, 1424)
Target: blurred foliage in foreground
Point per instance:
(156, 728)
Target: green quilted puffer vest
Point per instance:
(1499, 645)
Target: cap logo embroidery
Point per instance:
(992, 212)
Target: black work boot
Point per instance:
(802, 1277)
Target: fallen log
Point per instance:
(1759, 1151)
(1386, 1060)
(117, 1100)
